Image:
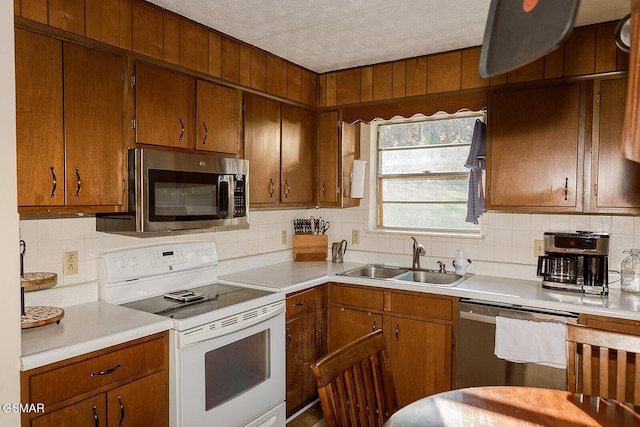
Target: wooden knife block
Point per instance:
(310, 247)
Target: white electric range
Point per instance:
(227, 345)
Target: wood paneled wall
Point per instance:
(589, 50)
(148, 30)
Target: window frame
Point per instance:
(376, 205)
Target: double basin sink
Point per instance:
(422, 276)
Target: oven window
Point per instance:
(235, 368)
(184, 195)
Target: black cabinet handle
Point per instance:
(566, 188)
(79, 183)
(288, 337)
(182, 129)
(324, 189)
(54, 183)
(397, 332)
(106, 371)
(206, 132)
(286, 189)
(96, 421)
(298, 304)
(121, 411)
(272, 187)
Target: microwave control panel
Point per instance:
(239, 197)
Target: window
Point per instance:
(421, 177)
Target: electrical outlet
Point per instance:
(355, 237)
(283, 239)
(70, 263)
(538, 248)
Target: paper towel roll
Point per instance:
(357, 181)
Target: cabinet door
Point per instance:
(144, 402)
(338, 147)
(535, 150)
(165, 103)
(297, 155)
(421, 358)
(616, 184)
(39, 120)
(262, 149)
(301, 353)
(219, 119)
(347, 325)
(94, 127)
(328, 136)
(89, 412)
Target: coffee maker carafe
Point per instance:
(575, 262)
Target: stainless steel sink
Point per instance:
(431, 277)
(424, 277)
(376, 272)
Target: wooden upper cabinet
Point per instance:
(164, 107)
(297, 155)
(219, 118)
(327, 187)
(338, 147)
(84, 165)
(615, 180)
(262, 148)
(39, 120)
(535, 150)
(94, 127)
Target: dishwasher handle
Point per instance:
(488, 313)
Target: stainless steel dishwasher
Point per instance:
(476, 363)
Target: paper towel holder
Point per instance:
(357, 179)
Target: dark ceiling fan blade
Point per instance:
(521, 31)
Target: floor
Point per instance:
(311, 417)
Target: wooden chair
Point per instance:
(602, 363)
(355, 384)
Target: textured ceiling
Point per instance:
(329, 35)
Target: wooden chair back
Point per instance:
(355, 384)
(602, 363)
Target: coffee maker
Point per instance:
(575, 262)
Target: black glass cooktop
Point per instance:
(214, 297)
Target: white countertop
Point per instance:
(294, 276)
(85, 328)
(96, 325)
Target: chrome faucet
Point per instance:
(442, 268)
(418, 250)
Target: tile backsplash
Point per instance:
(505, 249)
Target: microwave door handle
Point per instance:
(230, 195)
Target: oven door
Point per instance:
(231, 379)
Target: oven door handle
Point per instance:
(224, 327)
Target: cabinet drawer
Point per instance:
(435, 308)
(357, 296)
(301, 302)
(611, 324)
(59, 384)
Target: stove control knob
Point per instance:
(133, 261)
(120, 263)
(200, 252)
(209, 250)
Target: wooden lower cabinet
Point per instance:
(349, 324)
(305, 344)
(419, 329)
(124, 385)
(421, 358)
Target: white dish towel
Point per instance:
(528, 341)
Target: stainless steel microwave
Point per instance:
(171, 191)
